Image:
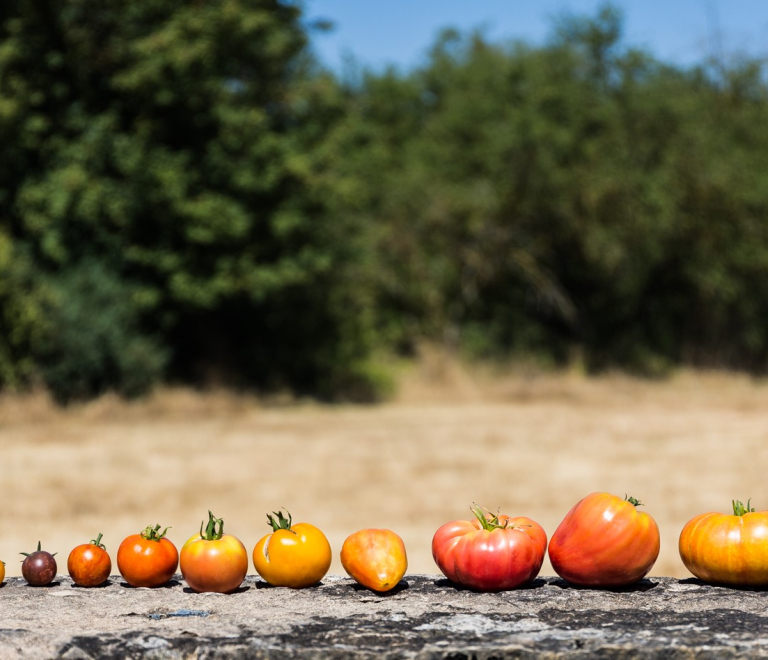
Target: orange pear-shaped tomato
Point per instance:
(604, 541)
(728, 549)
(375, 558)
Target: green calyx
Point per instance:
(279, 521)
(492, 522)
(26, 554)
(214, 530)
(152, 533)
(633, 501)
(97, 541)
(738, 507)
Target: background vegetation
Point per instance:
(186, 195)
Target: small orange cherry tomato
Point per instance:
(89, 564)
(2, 571)
(293, 556)
(375, 558)
(213, 561)
(147, 559)
(728, 549)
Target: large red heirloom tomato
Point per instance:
(490, 553)
(728, 549)
(604, 541)
(213, 561)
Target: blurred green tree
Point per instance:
(170, 142)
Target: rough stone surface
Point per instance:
(425, 617)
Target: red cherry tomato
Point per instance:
(604, 541)
(490, 553)
(728, 549)
(147, 559)
(89, 564)
(214, 561)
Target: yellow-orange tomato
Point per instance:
(375, 558)
(727, 549)
(214, 561)
(294, 556)
(2, 571)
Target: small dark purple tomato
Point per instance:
(39, 567)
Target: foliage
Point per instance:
(186, 195)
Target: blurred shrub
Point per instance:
(186, 195)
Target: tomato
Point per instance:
(89, 564)
(604, 541)
(375, 558)
(213, 561)
(147, 559)
(39, 567)
(293, 555)
(491, 552)
(2, 571)
(728, 549)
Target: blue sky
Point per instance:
(381, 32)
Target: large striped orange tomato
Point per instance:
(728, 549)
(604, 541)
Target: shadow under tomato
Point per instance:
(261, 584)
(241, 589)
(43, 586)
(735, 587)
(536, 583)
(168, 585)
(642, 585)
(103, 585)
(398, 588)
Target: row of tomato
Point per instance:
(603, 541)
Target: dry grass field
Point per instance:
(530, 444)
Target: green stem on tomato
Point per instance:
(489, 524)
(738, 507)
(632, 500)
(282, 522)
(97, 542)
(153, 533)
(214, 530)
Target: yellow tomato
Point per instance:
(293, 556)
(375, 558)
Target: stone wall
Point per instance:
(425, 617)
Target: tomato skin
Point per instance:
(727, 549)
(2, 571)
(375, 558)
(604, 541)
(146, 563)
(89, 565)
(217, 566)
(490, 560)
(295, 558)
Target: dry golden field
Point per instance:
(530, 444)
